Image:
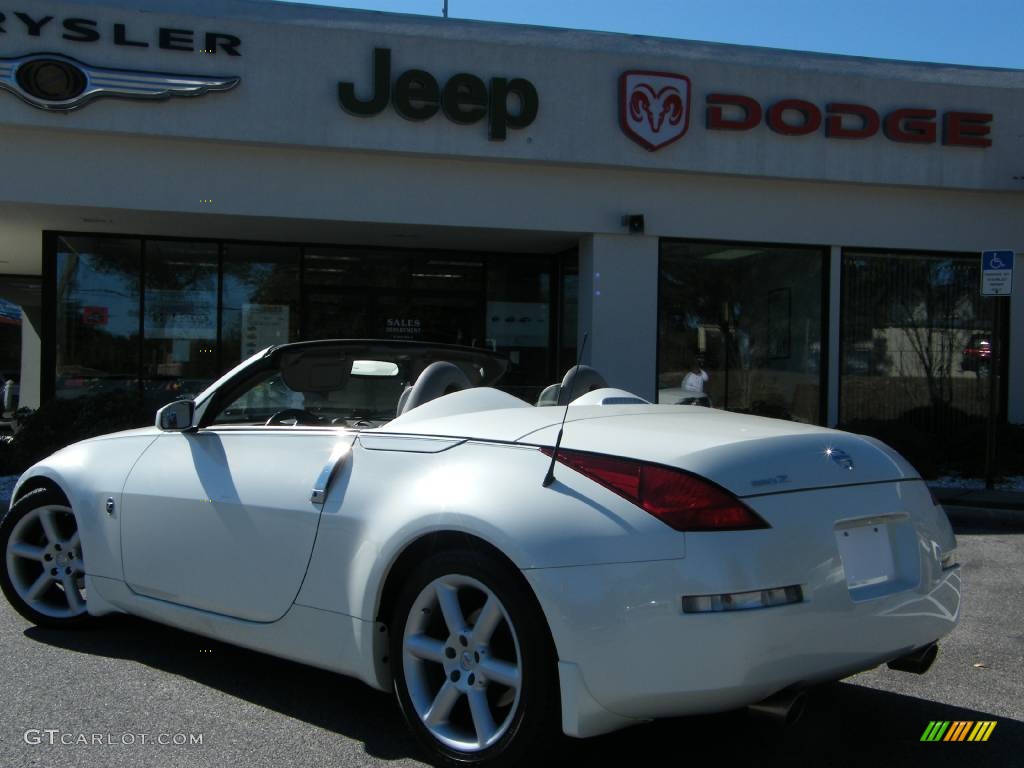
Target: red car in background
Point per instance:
(977, 354)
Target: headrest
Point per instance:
(549, 396)
(438, 379)
(579, 380)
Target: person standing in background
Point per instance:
(696, 377)
(9, 405)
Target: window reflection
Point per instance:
(916, 339)
(741, 325)
(569, 306)
(205, 305)
(180, 322)
(360, 293)
(364, 400)
(518, 317)
(10, 341)
(260, 300)
(97, 344)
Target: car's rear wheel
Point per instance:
(473, 667)
(43, 574)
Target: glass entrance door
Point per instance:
(742, 324)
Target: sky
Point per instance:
(988, 33)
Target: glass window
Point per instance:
(206, 304)
(180, 330)
(916, 339)
(10, 341)
(256, 405)
(445, 298)
(97, 344)
(367, 398)
(355, 384)
(359, 293)
(569, 305)
(519, 321)
(741, 324)
(260, 299)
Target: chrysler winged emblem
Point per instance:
(60, 83)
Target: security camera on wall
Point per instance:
(634, 223)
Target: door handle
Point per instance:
(336, 460)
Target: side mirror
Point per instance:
(176, 416)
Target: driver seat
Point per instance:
(436, 380)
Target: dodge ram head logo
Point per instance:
(60, 83)
(654, 107)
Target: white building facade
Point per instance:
(804, 228)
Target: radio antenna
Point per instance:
(549, 478)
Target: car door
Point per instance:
(222, 519)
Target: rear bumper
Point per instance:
(629, 652)
(637, 656)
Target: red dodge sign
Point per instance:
(654, 111)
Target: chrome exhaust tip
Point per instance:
(917, 661)
(785, 707)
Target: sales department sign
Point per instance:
(59, 83)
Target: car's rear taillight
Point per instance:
(679, 499)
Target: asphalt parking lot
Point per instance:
(133, 678)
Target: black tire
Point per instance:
(25, 506)
(533, 727)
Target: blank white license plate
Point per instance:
(866, 552)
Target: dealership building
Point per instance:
(186, 182)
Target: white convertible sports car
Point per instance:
(441, 540)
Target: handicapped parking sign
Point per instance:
(996, 273)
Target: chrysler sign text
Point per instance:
(83, 30)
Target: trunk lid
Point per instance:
(748, 455)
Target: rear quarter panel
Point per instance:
(385, 500)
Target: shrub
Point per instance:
(944, 440)
(59, 423)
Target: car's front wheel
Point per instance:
(43, 574)
(473, 668)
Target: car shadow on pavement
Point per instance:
(844, 723)
(323, 699)
(990, 527)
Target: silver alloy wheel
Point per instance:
(462, 666)
(44, 562)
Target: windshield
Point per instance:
(210, 390)
(350, 384)
(363, 398)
